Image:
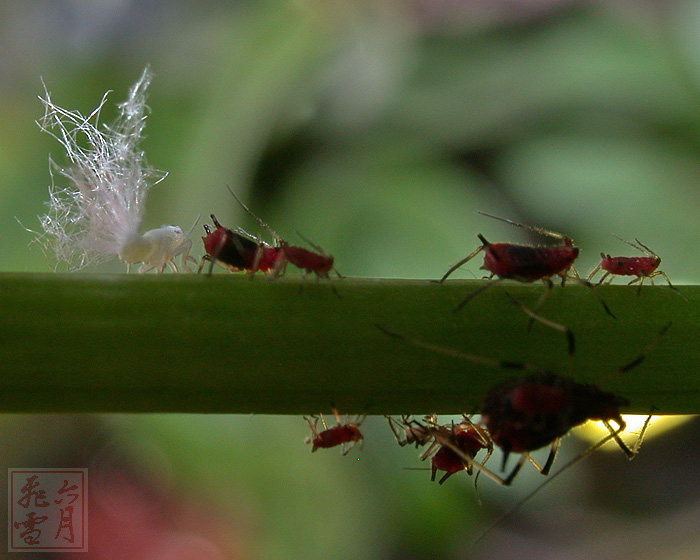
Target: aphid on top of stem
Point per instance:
(319, 262)
(345, 434)
(235, 251)
(524, 263)
(533, 411)
(641, 267)
(98, 215)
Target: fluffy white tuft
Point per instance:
(98, 214)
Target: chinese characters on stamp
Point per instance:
(47, 509)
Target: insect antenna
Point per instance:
(536, 229)
(639, 246)
(260, 222)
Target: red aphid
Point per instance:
(320, 262)
(345, 434)
(641, 267)
(528, 413)
(413, 431)
(524, 263)
(469, 439)
(446, 460)
(236, 252)
(465, 436)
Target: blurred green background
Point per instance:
(374, 129)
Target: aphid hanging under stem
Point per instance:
(585, 453)
(98, 215)
(530, 412)
(466, 436)
(414, 432)
(346, 434)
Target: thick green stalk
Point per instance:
(187, 343)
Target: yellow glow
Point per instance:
(595, 431)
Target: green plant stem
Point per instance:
(192, 343)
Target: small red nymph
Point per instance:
(641, 267)
(319, 263)
(468, 438)
(345, 434)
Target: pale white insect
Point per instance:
(98, 215)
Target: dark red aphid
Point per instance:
(236, 252)
(527, 264)
(468, 438)
(346, 434)
(319, 262)
(640, 267)
(530, 412)
(524, 263)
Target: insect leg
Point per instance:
(642, 356)
(571, 342)
(615, 433)
(639, 279)
(594, 272)
(591, 287)
(642, 432)
(668, 281)
(548, 288)
(550, 459)
(509, 479)
(602, 278)
(475, 293)
(460, 263)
